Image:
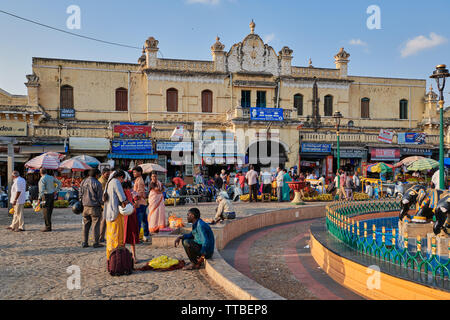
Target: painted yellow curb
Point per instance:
(359, 278)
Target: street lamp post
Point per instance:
(337, 118)
(440, 74)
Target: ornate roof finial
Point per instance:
(342, 55)
(252, 27)
(217, 46)
(310, 62)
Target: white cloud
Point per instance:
(269, 37)
(212, 2)
(358, 42)
(420, 43)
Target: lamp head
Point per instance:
(337, 116)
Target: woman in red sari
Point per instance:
(156, 208)
(131, 230)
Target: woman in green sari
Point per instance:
(286, 190)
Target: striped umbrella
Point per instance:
(43, 161)
(423, 164)
(408, 161)
(379, 167)
(74, 165)
(149, 167)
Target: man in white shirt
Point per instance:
(280, 177)
(252, 180)
(17, 200)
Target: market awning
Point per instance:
(132, 156)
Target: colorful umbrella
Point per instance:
(74, 165)
(379, 167)
(423, 164)
(408, 161)
(149, 167)
(43, 161)
(60, 156)
(88, 160)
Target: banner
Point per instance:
(411, 138)
(169, 146)
(177, 134)
(132, 131)
(386, 136)
(329, 167)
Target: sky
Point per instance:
(385, 38)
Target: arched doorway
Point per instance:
(266, 154)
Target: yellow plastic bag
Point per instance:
(38, 208)
(11, 211)
(162, 262)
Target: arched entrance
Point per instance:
(266, 154)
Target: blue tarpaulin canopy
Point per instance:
(447, 162)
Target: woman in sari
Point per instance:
(156, 207)
(113, 197)
(131, 229)
(285, 191)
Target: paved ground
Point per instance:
(34, 264)
(278, 258)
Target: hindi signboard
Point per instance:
(386, 136)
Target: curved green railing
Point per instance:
(342, 221)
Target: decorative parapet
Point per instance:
(314, 72)
(185, 65)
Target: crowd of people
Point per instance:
(116, 207)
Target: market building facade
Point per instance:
(247, 105)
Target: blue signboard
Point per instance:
(132, 146)
(316, 147)
(67, 113)
(411, 138)
(266, 114)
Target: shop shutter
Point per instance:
(172, 100)
(206, 101)
(121, 99)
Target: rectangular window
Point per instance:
(260, 99)
(245, 98)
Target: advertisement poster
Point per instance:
(386, 136)
(411, 138)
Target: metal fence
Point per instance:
(384, 243)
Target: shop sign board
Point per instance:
(316, 147)
(351, 153)
(416, 152)
(411, 138)
(132, 131)
(329, 167)
(132, 146)
(170, 146)
(266, 114)
(13, 129)
(385, 154)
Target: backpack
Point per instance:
(120, 262)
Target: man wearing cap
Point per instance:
(17, 200)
